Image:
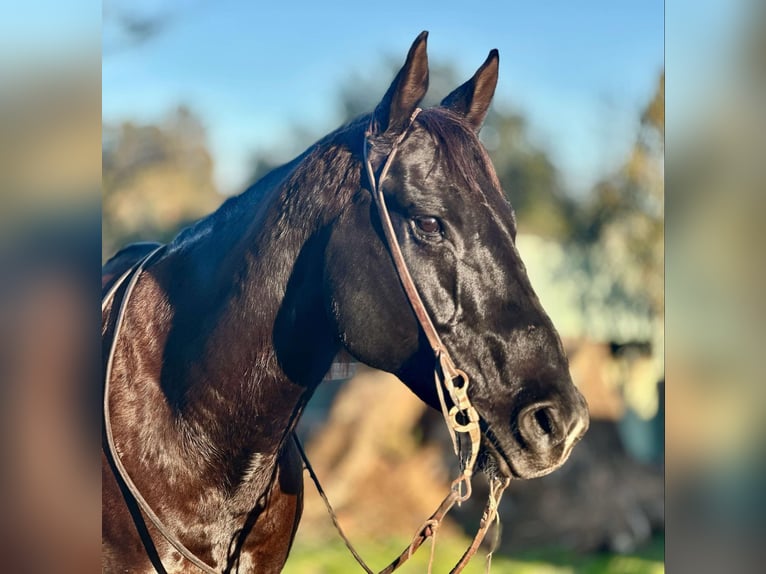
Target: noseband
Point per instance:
(462, 417)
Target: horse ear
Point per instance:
(472, 99)
(393, 112)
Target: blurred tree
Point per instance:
(621, 229)
(654, 114)
(156, 178)
(357, 96)
(526, 172)
(528, 175)
(624, 220)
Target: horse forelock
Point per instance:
(457, 149)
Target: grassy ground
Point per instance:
(334, 558)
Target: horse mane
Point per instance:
(301, 185)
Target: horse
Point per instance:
(226, 331)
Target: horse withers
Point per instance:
(223, 335)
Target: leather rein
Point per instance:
(461, 418)
(134, 273)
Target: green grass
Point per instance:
(334, 558)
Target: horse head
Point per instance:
(457, 235)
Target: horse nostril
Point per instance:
(538, 425)
(544, 420)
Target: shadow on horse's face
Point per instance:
(457, 235)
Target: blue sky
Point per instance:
(580, 71)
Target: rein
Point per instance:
(461, 418)
(134, 273)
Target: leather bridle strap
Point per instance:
(462, 417)
(135, 273)
(396, 252)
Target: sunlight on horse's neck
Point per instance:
(269, 360)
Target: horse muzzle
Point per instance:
(541, 435)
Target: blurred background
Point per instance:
(200, 102)
(187, 103)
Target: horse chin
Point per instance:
(494, 463)
(497, 464)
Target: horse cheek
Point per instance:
(367, 306)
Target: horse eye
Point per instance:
(428, 225)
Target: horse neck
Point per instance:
(249, 339)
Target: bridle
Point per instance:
(461, 418)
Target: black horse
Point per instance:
(232, 325)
